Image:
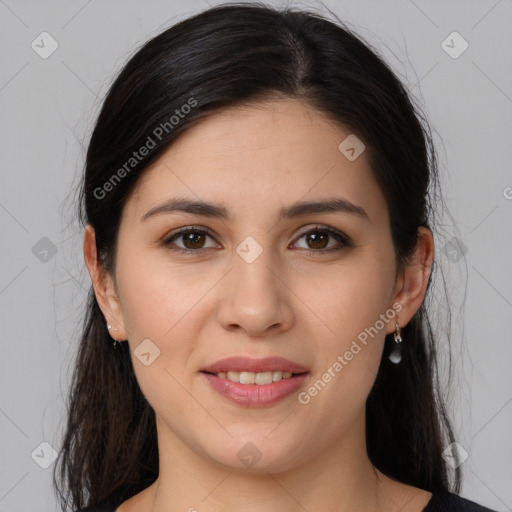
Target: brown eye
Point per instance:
(317, 240)
(193, 240)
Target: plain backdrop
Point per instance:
(48, 104)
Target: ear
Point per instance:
(104, 287)
(412, 284)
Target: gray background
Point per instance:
(48, 107)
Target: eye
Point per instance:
(318, 238)
(192, 238)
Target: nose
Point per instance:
(255, 298)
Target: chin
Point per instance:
(257, 454)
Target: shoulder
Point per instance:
(449, 502)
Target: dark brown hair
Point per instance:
(229, 55)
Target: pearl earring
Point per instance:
(396, 353)
(109, 327)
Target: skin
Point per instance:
(199, 308)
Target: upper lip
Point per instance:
(249, 364)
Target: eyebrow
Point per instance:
(215, 210)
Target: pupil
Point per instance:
(315, 238)
(190, 238)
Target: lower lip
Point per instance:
(256, 395)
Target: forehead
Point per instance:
(258, 156)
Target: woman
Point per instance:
(258, 212)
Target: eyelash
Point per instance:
(338, 235)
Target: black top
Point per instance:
(449, 502)
(439, 502)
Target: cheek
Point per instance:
(163, 305)
(156, 295)
(158, 309)
(349, 305)
(349, 300)
(348, 358)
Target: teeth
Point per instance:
(254, 378)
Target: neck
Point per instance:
(339, 478)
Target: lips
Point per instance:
(254, 395)
(248, 364)
(287, 378)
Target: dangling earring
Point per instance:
(396, 353)
(116, 342)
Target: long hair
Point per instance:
(229, 55)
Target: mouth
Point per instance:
(258, 378)
(248, 365)
(251, 382)
(255, 389)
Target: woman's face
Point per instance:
(258, 285)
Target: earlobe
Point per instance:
(415, 276)
(103, 285)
